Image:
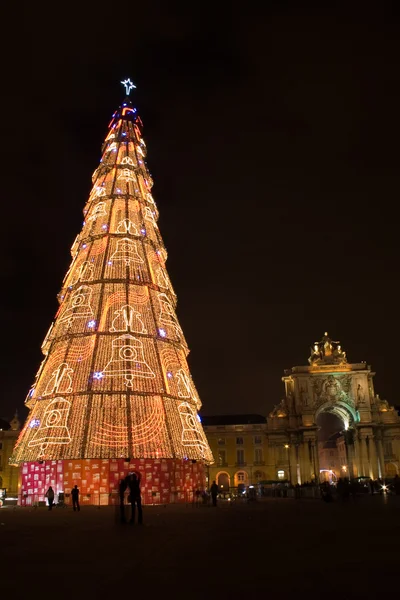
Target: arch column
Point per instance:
(315, 460)
(349, 445)
(363, 455)
(304, 462)
(381, 457)
(298, 468)
(373, 459)
(293, 464)
(311, 459)
(357, 458)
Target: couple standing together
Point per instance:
(132, 484)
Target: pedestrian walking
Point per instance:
(214, 493)
(50, 497)
(197, 496)
(75, 498)
(135, 498)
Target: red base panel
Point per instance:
(163, 481)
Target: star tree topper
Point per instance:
(128, 86)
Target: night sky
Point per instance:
(273, 141)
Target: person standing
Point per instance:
(75, 498)
(135, 498)
(50, 497)
(372, 486)
(214, 493)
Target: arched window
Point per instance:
(259, 476)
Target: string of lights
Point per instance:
(115, 381)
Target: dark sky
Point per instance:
(273, 140)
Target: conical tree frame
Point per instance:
(115, 380)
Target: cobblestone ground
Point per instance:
(281, 547)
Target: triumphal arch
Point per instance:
(329, 383)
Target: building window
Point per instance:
(258, 455)
(259, 475)
(281, 474)
(257, 439)
(239, 441)
(388, 449)
(221, 458)
(282, 454)
(240, 457)
(221, 441)
(240, 477)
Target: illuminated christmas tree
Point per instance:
(114, 383)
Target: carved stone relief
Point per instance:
(332, 389)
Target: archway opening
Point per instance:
(241, 480)
(333, 423)
(223, 481)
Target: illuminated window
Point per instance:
(257, 439)
(239, 441)
(281, 474)
(240, 476)
(221, 458)
(221, 441)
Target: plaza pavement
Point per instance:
(277, 548)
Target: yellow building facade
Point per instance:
(286, 445)
(9, 476)
(242, 456)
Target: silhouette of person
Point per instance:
(50, 497)
(340, 488)
(372, 486)
(135, 498)
(75, 498)
(214, 493)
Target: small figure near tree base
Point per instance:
(214, 493)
